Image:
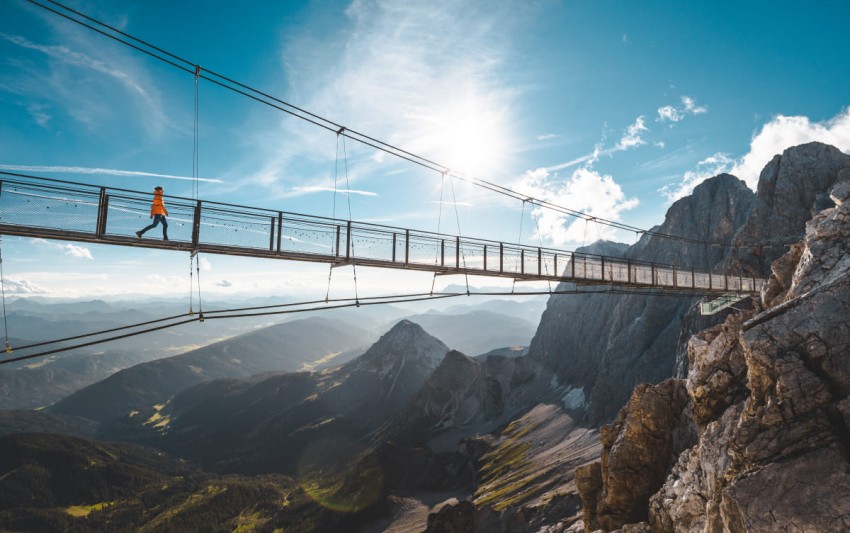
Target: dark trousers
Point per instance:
(156, 220)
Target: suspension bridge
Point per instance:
(32, 206)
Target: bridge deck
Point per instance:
(53, 209)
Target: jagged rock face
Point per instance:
(604, 345)
(792, 188)
(636, 453)
(395, 367)
(717, 376)
(465, 397)
(770, 393)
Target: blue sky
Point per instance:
(614, 108)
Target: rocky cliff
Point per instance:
(767, 394)
(602, 346)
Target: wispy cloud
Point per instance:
(223, 283)
(70, 249)
(115, 69)
(776, 136)
(425, 77)
(547, 136)
(310, 189)
(39, 114)
(632, 136)
(100, 171)
(669, 113)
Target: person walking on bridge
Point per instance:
(158, 214)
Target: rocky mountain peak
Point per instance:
(792, 188)
(405, 343)
(713, 212)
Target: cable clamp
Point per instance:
(197, 71)
(8, 347)
(200, 317)
(340, 130)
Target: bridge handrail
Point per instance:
(214, 214)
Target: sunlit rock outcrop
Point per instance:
(770, 395)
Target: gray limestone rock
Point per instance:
(780, 457)
(604, 344)
(790, 188)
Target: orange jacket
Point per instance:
(158, 207)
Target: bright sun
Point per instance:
(471, 137)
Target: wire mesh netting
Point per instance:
(56, 208)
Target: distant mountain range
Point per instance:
(288, 347)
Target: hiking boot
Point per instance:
(139, 234)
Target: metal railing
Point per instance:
(41, 207)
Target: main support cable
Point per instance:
(317, 120)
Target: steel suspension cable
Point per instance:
(348, 197)
(540, 239)
(519, 241)
(317, 120)
(458, 244)
(333, 211)
(3, 292)
(439, 221)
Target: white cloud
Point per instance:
(223, 283)
(22, 286)
(669, 113)
(547, 136)
(206, 266)
(774, 137)
(77, 251)
(99, 171)
(586, 190)
(692, 108)
(784, 132)
(632, 137)
(70, 249)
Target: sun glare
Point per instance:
(471, 137)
